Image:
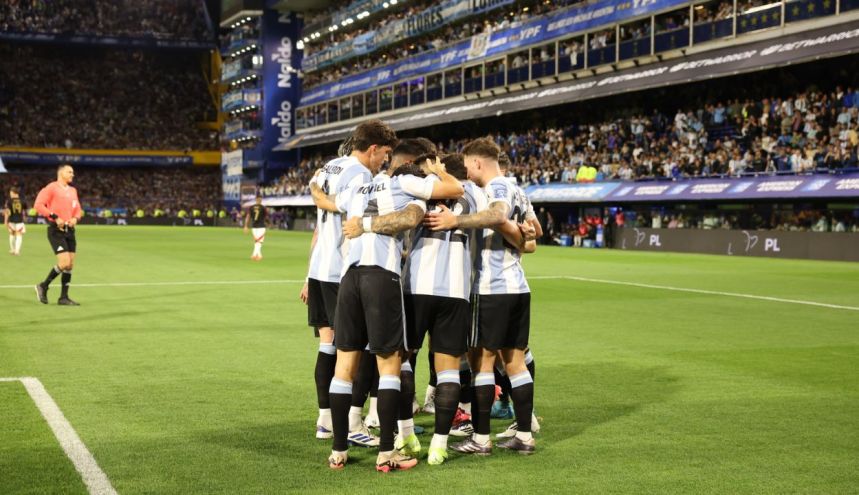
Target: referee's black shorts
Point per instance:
(321, 303)
(369, 311)
(447, 319)
(501, 321)
(62, 241)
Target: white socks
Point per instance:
(406, 427)
(438, 441)
(355, 418)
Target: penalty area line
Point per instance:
(696, 291)
(93, 477)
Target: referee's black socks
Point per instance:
(51, 276)
(65, 279)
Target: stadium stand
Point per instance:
(97, 98)
(410, 46)
(163, 19)
(170, 189)
(805, 132)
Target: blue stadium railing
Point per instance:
(569, 55)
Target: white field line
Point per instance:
(547, 277)
(697, 291)
(93, 477)
(168, 284)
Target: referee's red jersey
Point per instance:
(59, 199)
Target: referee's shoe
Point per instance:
(42, 293)
(65, 301)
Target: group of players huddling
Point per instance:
(462, 282)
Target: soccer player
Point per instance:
(13, 219)
(366, 150)
(405, 152)
(437, 286)
(258, 216)
(58, 202)
(501, 408)
(370, 302)
(502, 302)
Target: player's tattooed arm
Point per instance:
(322, 200)
(489, 218)
(394, 223)
(390, 224)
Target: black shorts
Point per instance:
(447, 319)
(62, 241)
(321, 303)
(501, 321)
(369, 311)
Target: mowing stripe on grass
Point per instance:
(93, 477)
(544, 277)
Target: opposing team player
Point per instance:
(58, 203)
(13, 219)
(257, 217)
(501, 303)
(367, 150)
(369, 304)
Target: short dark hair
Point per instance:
(455, 166)
(414, 147)
(504, 160)
(373, 132)
(409, 169)
(483, 147)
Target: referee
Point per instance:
(58, 202)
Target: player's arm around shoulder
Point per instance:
(444, 219)
(389, 224)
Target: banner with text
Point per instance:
(281, 89)
(231, 175)
(729, 189)
(107, 160)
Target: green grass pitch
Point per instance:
(197, 388)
